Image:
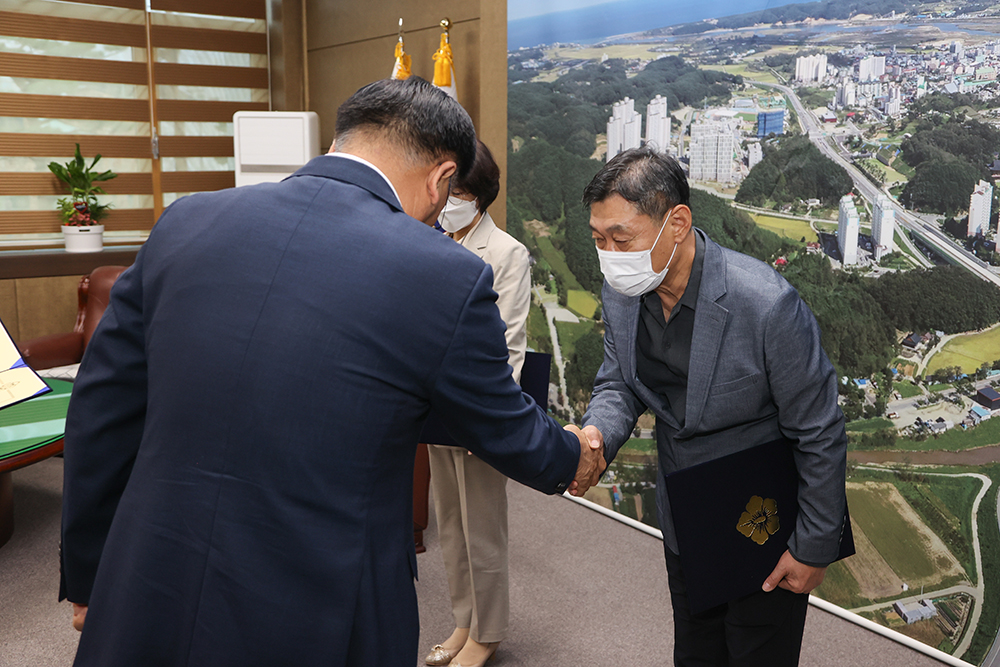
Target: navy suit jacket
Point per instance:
(240, 439)
(757, 373)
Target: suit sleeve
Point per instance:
(804, 387)
(614, 408)
(483, 408)
(512, 283)
(104, 426)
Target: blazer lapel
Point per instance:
(706, 339)
(479, 237)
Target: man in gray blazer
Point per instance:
(727, 356)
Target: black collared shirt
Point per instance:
(664, 347)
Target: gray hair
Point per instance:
(652, 182)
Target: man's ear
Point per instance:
(437, 180)
(680, 222)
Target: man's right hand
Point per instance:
(79, 616)
(591, 459)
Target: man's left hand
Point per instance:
(794, 576)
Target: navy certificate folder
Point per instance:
(534, 382)
(733, 517)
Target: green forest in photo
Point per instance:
(905, 406)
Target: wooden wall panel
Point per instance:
(351, 44)
(492, 125)
(286, 32)
(335, 73)
(46, 305)
(342, 22)
(8, 308)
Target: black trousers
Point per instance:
(759, 630)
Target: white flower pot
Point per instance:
(83, 239)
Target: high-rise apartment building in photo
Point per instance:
(847, 231)
(658, 124)
(713, 145)
(980, 207)
(871, 68)
(810, 69)
(755, 156)
(847, 94)
(624, 128)
(883, 227)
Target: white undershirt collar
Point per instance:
(369, 164)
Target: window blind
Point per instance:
(151, 86)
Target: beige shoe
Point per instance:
(440, 655)
(489, 656)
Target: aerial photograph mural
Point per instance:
(855, 147)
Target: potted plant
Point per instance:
(81, 211)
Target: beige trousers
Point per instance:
(470, 501)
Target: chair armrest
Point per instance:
(53, 350)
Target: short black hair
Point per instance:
(483, 179)
(653, 182)
(414, 115)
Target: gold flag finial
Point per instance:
(444, 65)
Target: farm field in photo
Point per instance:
(968, 351)
(581, 302)
(912, 551)
(787, 227)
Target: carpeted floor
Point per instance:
(585, 590)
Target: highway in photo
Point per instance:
(930, 233)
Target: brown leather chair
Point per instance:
(63, 349)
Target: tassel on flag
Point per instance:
(444, 66)
(401, 69)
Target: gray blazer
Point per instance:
(757, 373)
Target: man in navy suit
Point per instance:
(240, 441)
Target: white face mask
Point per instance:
(457, 214)
(631, 273)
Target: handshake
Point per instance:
(592, 463)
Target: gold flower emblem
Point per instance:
(760, 521)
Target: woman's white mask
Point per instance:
(457, 214)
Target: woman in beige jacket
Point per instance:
(470, 497)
